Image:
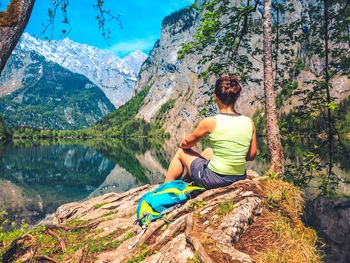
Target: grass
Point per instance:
(76, 222)
(9, 232)
(197, 204)
(279, 235)
(109, 213)
(224, 208)
(195, 259)
(140, 257)
(75, 240)
(293, 242)
(97, 206)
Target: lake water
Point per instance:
(36, 178)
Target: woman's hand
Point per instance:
(185, 144)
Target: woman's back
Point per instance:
(230, 141)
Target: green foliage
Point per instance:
(285, 93)
(306, 129)
(299, 66)
(224, 208)
(139, 258)
(195, 259)
(118, 124)
(164, 110)
(4, 133)
(229, 38)
(123, 114)
(97, 206)
(197, 204)
(9, 232)
(187, 17)
(59, 99)
(205, 142)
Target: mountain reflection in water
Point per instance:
(36, 178)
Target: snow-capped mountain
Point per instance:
(114, 75)
(134, 60)
(39, 93)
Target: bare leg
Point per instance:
(183, 157)
(175, 168)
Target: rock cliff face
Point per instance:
(331, 218)
(238, 223)
(176, 79)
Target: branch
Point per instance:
(101, 19)
(52, 16)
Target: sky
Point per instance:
(141, 22)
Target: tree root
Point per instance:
(27, 252)
(194, 241)
(60, 240)
(156, 226)
(175, 227)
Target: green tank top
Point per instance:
(230, 141)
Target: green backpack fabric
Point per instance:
(167, 197)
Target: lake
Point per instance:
(37, 177)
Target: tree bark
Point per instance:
(327, 80)
(13, 21)
(272, 130)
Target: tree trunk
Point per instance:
(13, 21)
(272, 130)
(327, 80)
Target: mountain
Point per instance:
(46, 95)
(176, 92)
(115, 76)
(134, 61)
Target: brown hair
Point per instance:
(227, 89)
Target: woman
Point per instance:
(232, 138)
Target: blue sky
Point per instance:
(141, 21)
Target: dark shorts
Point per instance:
(203, 176)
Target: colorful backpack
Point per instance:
(167, 197)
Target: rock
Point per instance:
(331, 218)
(207, 228)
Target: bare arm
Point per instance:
(252, 148)
(203, 128)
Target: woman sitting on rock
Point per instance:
(232, 138)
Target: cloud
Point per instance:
(123, 48)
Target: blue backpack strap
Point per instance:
(133, 244)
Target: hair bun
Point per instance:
(227, 89)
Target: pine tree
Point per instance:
(272, 130)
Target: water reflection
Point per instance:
(37, 177)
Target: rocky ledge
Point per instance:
(257, 219)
